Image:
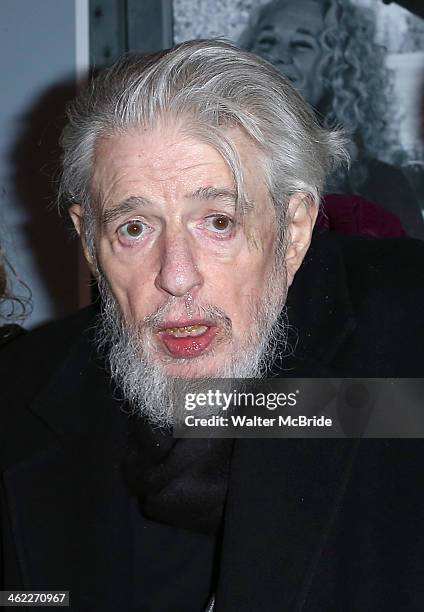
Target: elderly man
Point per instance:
(194, 178)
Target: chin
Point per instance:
(205, 366)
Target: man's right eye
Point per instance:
(132, 230)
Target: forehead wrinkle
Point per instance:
(167, 155)
(103, 185)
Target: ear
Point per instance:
(77, 215)
(301, 216)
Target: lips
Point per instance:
(185, 341)
(191, 331)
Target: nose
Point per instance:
(178, 273)
(279, 56)
(281, 53)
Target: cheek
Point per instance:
(247, 275)
(132, 285)
(242, 290)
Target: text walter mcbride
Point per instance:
(283, 421)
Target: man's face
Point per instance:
(185, 270)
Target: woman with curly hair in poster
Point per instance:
(327, 49)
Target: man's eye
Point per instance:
(219, 224)
(131, 230)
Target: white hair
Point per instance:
(206, 86)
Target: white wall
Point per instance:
(43, 44)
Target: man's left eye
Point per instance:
(219, 224)
(132, 230)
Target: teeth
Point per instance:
(186, 331)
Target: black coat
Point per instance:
(311, 525)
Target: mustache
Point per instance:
(170, 309)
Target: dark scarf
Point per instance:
(180, 482)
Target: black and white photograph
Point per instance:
(211, 305)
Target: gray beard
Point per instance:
(143, 382)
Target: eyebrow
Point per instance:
(123, 208)
(214, 193)
(227, 196)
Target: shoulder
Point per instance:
(358, 305)
(386, 274)
(396, 262)
(385, 281)
(29, 365)
(371, 267)
(27, 362)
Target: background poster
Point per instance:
(360, 63)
